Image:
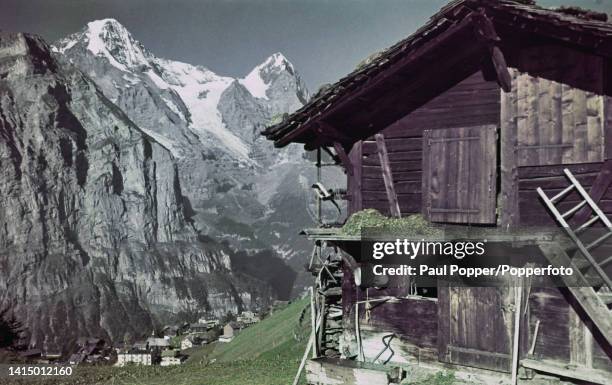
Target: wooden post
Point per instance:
(508, 202)
(387, 176)
(518, 290)
(354, 180)
(486, 34)
(303, 362)
(313, 319)
(319, 211)
(346, 162)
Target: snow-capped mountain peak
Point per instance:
(168, 97)
(259, 79)
(110, 39)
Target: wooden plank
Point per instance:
(509, 215)
(557, 123)
(607, 125)
(402, 166)
(401, 187)
(395, 145)
(583, 374)
(354, 181)
(427, 175)
(580, 127)
(530, 172)
(580, 341)
(488, 200)
(333, 371)
(373, 172)
(444, 320)
(555, 182)
(567, 121)
(374, 158)
(595, 130)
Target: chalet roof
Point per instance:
(412, 62)
(154, 341)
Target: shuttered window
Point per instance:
(459, 174)
(557, 124)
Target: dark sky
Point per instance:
(324, 39)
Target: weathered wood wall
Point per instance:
(557, 124)
(563, 334)
(555, 115)
(546, 126)
(552, 179)
(472, 102)
(412, 321)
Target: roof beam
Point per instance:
(495, 62)
(326, 135)
(346, 162)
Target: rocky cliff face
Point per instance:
(237, 187)
(97, 234)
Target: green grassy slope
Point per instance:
(267, 353)
(276, 336)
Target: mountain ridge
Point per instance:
(199, 89)
(96, 238)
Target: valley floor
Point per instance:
(267, 353)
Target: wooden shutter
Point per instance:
(557, 124)
(459, 174)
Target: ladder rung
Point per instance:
(574, 209)
(587, 224)
(605, 261)
(606, 298)
(598, 240)
(562, 193)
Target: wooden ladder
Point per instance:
(592, 296)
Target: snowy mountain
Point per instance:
(96, 236)
(237, 187)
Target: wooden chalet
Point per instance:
(473, 121)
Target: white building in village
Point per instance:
(228, 333)
(135, 357)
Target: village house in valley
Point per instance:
(495, 115)
(190, 341)
(247, 318)
(136, 357)
(228, 333)
(171, 357)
